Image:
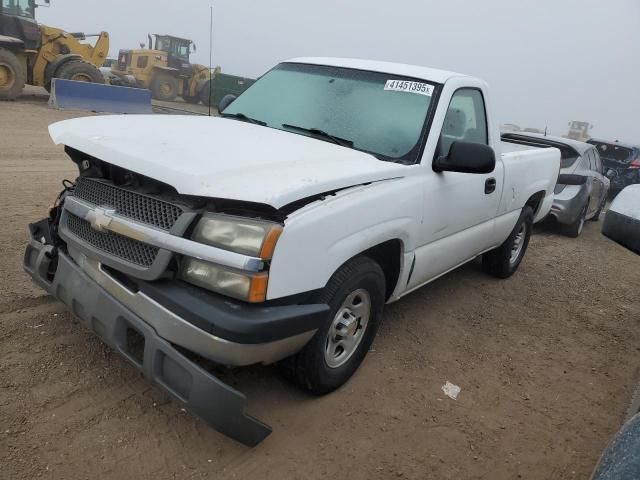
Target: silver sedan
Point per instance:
(582, 189)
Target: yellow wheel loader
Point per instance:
(35, 54)
(164, 69)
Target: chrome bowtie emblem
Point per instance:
(100, 218)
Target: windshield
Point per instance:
(612, 151)
(21, 8)
(379, 113)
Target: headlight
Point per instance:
(242, 235)
(250, 287)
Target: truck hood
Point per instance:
(223, 158)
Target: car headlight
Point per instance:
(250, 287)
(241, 235)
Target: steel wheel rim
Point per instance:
(166, 89)
(7, 77)
(348, 328)
(518, 244)
(81, 77)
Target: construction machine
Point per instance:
(165, 69)
(35, 54)
(579, 131)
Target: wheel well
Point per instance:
(535, 202)
(51, 70)
(388, 255)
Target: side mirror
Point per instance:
(195, 49)
(225, 102)
(570, 179)
(467, 157)
(611, 173)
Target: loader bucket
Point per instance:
(95, 97)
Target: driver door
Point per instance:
(459, 208)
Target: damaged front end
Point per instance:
(111, 251)
(218, 404)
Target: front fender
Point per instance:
(321, 237)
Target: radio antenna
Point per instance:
(210, 56)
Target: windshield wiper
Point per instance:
(321, 133)
(244, 118)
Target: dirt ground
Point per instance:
(546, 360)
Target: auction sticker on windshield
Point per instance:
(411, 87)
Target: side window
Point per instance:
(9, 7)
(466, 120)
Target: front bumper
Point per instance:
(118, 315)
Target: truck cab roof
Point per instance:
(173, 37)
(423, 73)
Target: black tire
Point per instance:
(205, 92)
(12, 77)
(574, 229)
(80, 71)
(501, 261)
(309, 369)
(634, 406)
(596, 215)
(192, 100)
(164, 87)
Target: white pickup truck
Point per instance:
(277, 231)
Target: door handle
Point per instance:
(490, 185)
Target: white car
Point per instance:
(278, 231)
(622, 221)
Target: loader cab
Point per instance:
(17, 21)
(178, 50)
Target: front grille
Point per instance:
(129, 204)
(122, 247)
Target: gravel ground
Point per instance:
(546, 360)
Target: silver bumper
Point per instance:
(180, 332)
(219, 405)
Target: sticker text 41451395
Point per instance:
(410, 87)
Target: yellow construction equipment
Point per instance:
(164, 69)
(35, 54)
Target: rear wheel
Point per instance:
(355, 295)
(12, 79)
(193, 100)
(503, 261)
(574, 229)
(80, 71)
(164, 87)
(596, 216)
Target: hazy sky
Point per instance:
(547, 61)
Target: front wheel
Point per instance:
(80, 71)
(355, 295)
(205, 92)
(503, 261)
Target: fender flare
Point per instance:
(10, 42)
(52, 68)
